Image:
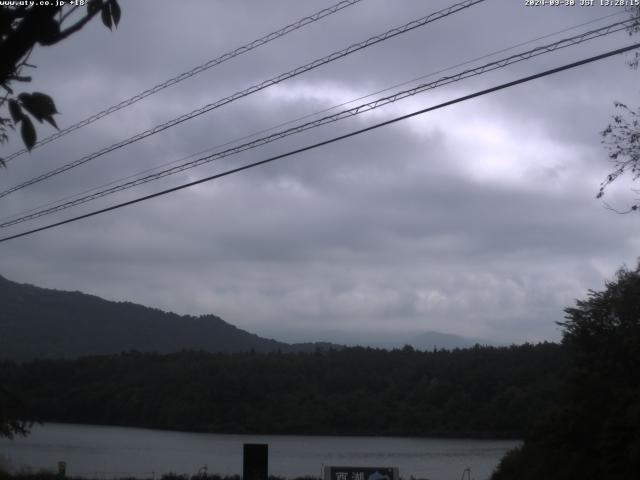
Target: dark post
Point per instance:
(255, 461)
(62, 469)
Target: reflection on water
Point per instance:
(96, 451)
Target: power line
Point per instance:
(194, 71)
(575, 40)
(304, 117)
(331, 140)
(255, 88)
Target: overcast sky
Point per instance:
(479, 219)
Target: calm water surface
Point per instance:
(106, 452)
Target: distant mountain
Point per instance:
(387, 340)
(43, 323)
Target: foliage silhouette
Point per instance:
(622, 135)
(594, 431)
(22, 27)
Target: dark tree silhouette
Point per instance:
(12, 418)
(594, 433)
(21, 29)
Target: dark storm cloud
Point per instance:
(478, 219)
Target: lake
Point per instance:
(109, 452)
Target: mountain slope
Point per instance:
(43, 323)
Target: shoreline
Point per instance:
(399, 435)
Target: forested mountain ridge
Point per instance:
(477, 392)
(169, 379)
(44, 323)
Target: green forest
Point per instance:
(477, 392)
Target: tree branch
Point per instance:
(79, 24)
(64, 17)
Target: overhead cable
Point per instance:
(255, 88)
(365, 107)
(329, 141)
(194, 71)
(303, 117)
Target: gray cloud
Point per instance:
(478, 219)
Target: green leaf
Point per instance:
(48, 106)
(106, 15)
(38, 104)
(28, 133)
(48, 31)
(115, 12)
(93, 6)
(51, 121)
(15, 111)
